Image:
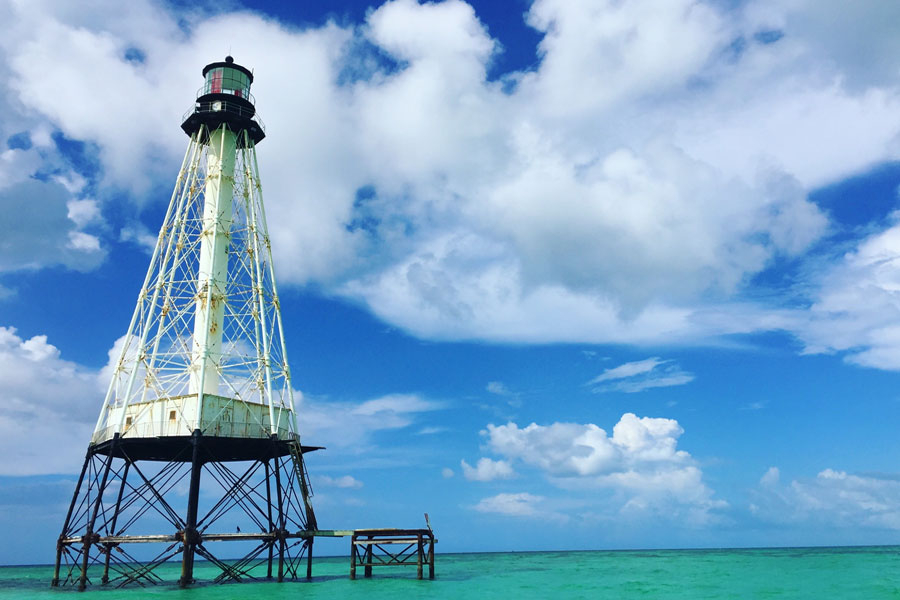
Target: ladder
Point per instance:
(303, 477)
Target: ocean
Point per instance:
(866, 573)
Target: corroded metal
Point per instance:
(119, 499)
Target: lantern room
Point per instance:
(225, 99)
(227, 78)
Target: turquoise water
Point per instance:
(868, 573)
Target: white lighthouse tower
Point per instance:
(201, 394)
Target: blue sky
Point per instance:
(624, 273)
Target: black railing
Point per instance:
(226, 107)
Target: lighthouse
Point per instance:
(197, 441)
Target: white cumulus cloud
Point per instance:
(639, 464)
(44, 397)
(857, 304)
(833, 499)
(626, 189)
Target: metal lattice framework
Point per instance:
(122, 500)
(159, 356)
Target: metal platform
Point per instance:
(214, 448)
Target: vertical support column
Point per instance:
(115, 518)
(269, 515)
(279, 495)
(65, 530)
(212, 271)
(369, 556)
(190, 537)
(309, 550)
(89, 530)
(431, 557)
(419, 556)
(353, 556)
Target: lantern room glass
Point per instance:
(225, 80)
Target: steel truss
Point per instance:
(159, 355)
(120, 496)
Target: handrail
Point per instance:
(235, 429)
(225, 106)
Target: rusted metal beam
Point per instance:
(206, 537)
(331, 532)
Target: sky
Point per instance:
(564, 274)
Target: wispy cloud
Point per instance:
(351, 425)
(511, 398)
(396, 404)
(499, 388)
(345, 482)
(515, 505)
(487, 470)
(432, 430)
(628, 370)
(641, 375)
(521, 504)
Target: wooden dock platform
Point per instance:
(392, 547)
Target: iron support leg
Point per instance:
(278, 494)
(189, 536)
(269, 516)
(115, 518)
(65, 530)
(89, 532)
